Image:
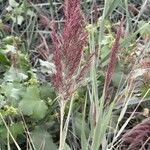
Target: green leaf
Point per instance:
(144, 90)
(42, 139)
(23, 62)
(105, 54)
(9, 40)
(20, 19)
(15, 129)
(146, 28)
(47, 67)
(13, 3)
(3, 59)
(46, 92)
(32, 105)
(110, 6)
(39, 109)
(11, 91)
(27, 107)
(22, 9)
(14, 75)
(101, 127)
(32, 94)
(30, 13)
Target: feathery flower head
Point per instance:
(68, 48)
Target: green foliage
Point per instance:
(17, 11)
(11, 91)
(78, 125)
(4, 60)
(46, 92)
(16, 129)
(20, 91)
(145, 90)
(145, 28)
(31, 104)
(14, 75)
(42, 139)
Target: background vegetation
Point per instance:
(74, 74)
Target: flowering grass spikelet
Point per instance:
(113, 58)
(68, 49)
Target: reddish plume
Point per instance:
(68, 48)
(137, 137)
(113, 58)
(57, 77)
(95, 11)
